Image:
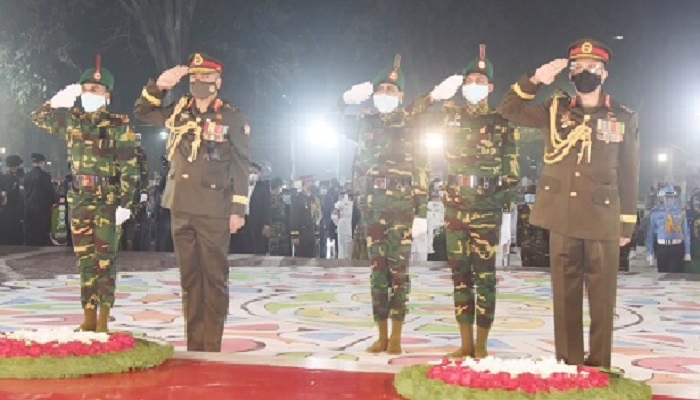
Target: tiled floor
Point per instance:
(317, 314)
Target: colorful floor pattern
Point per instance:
(286, 311)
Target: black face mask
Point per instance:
(202, 90)
(586, 82)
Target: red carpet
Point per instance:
(197, 380)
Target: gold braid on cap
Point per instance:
(562, 146)
(176, 132)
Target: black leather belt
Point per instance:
(473, 181)
(375, 182)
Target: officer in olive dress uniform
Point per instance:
(587, 194)
(40, 195)
(11, 203)
(206, 189)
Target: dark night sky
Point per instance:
(326, 46)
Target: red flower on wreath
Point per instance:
(116, 342)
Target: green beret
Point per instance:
(391, 74)
(276, 183)
(480, 65)
(104, 77)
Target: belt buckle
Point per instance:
(86, 180)
(486, 183)
(379, 183)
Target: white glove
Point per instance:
(650, 259)
(420, 226)
(122, 215)
(65, 98)
(448, 88)
(358, 93)
(687, 257)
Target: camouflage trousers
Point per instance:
(472, 238)
(95, 240)
(389, 250)
(280, 241)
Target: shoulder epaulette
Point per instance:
(561, 94)
(617, 105)
(228, 104)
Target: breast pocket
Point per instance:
(218, 175)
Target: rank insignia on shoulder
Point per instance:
(610, 131)
(246, 129)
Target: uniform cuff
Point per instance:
(524, 88)
(152, 93)
(238, 209)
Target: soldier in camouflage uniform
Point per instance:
(482, 165)
(392, 175)
(280, 241)
(132, 228)
(101, 155)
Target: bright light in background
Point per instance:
(2, 150)
(321, 133)
(619, 37)
(662, 157)
(164, 135)
(433, 140)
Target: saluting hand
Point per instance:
(169, 78)
(447, 88)
(548, 72)
(358, 93)
(235, 223)
(65, 98)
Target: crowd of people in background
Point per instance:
(319, 219)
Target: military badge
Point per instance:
(587, 47)
(393, 76)
(97, 76)
(198, 60)
(610, 130)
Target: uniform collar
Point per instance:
(480, 108)
(214, 106)
(603, 101)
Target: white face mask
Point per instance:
(253, 178)
(92, 102)
(385, 103)
(475, 93)
(529, 198)
(323, 192)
